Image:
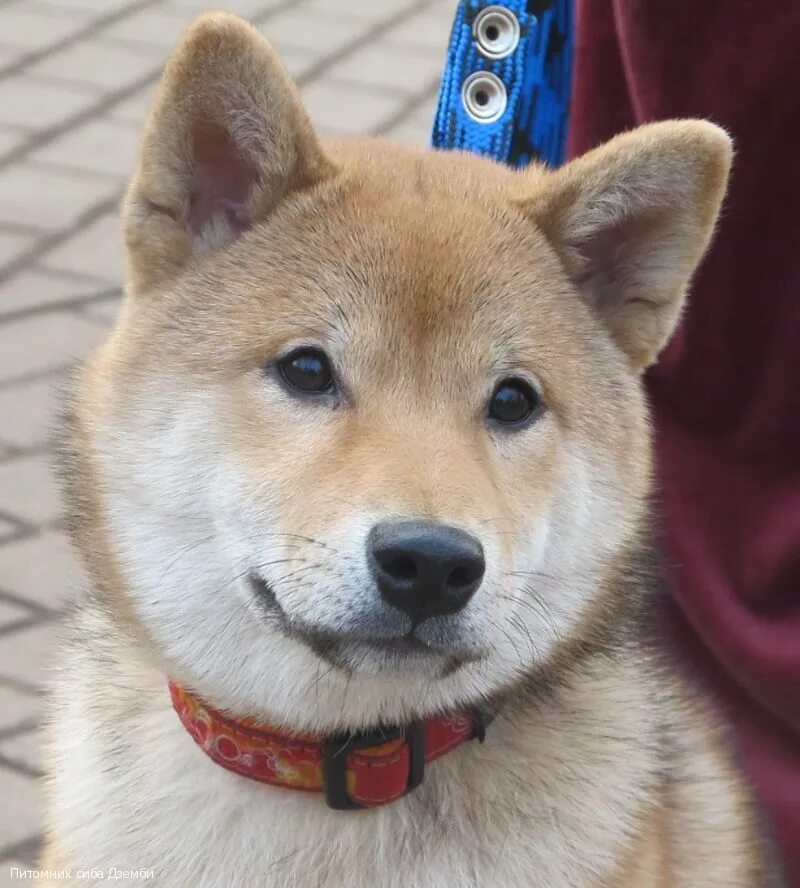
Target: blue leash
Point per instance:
(506, 85)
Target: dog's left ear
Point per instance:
(631, 221)
(227, 140)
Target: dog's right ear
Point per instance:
(226, 140)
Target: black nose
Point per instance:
(423, 568)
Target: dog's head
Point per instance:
(370, 436)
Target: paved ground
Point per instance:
(76, 78)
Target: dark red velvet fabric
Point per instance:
(726, 393)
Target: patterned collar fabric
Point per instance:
(521, 51)
(374, 774)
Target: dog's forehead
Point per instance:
(414, 246)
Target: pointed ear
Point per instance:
(226, 140)
(631, 220)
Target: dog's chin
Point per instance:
(397, 654)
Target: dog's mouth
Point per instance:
(349, 651)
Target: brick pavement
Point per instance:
(76, 79)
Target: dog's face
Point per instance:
(370, 435)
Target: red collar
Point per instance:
(353, 770)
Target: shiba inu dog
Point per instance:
(361, 479)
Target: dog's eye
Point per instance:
(513, 402)
(307, 370)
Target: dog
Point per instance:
(362, 484)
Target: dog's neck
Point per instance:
(544, 753)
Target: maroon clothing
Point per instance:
(726, 393)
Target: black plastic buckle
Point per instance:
(337, 749)
(482, 719)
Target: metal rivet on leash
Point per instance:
(496, 32)
(484, 97)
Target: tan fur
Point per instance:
(647, 862)
(427, 277)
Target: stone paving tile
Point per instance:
(83, 8)
(25, 102)
(8, 877)
(24, 749)
(12, 244)
(28, 655)
(298, 62)
(105, 312)
(135, 109)
(243, 8)
(10, 139)
(8, 53)
(424, 112)
(96, 63)
(31, 29)
(29, 492)
(26, 414)
(17, 708)
(411, 132)
(48, 198)
(20, 811)
(36, 287)
(12, 613)
(98, 250)
(102, 146)
(381, 65)
(308, 30)
(42, 570)
(360, 9)
(43, 343)
(427, 30)
(416, 127)
(7, 529)
(152, 27)
(341, 108)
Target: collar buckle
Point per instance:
(338, 747)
